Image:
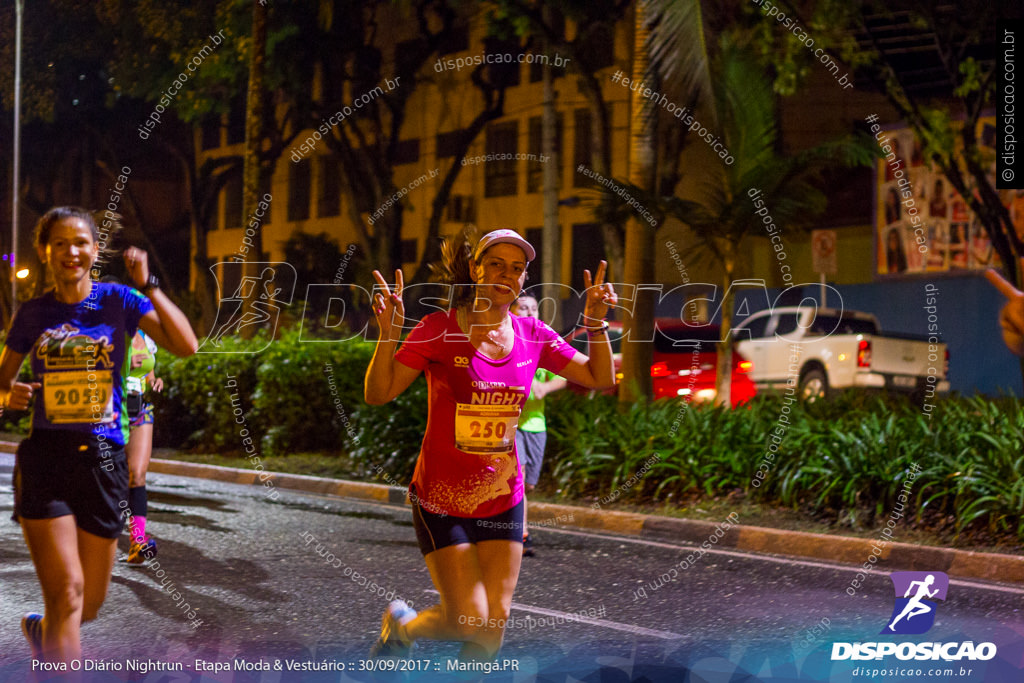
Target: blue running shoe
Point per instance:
(390, 644)
(32, 627)
(139, 553)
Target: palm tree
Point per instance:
(668, 46)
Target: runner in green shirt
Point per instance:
(531, 436)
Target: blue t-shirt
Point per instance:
(78, 352)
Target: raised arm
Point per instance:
(386, 378)
(597, 370)
(166, 324)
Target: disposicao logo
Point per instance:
(914, 612)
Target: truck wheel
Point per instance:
(813, 385)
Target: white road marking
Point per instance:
(603, 623)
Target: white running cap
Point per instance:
(504, 236)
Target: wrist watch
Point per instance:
(153, 282)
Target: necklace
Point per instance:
(491, 335)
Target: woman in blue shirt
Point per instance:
(71, 478)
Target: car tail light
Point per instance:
(744, 366)
(659, 370)
(864, 354)
(945, 368)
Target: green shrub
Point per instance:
(294, 396)
(306, 393)
(389, 436)
(847, 459)
(194, 409)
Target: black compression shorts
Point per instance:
(434, 531)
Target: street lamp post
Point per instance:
(19, 9)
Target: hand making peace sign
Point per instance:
(600, 295)
(387, 303)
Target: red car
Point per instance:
(685, 358)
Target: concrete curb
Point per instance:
(856, 551)
(297, 482)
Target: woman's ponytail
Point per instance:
(455, 266)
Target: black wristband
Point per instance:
(152, 282)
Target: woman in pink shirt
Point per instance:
(467, 489)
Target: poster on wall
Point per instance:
(922, 224)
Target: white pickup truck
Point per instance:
(826, 349)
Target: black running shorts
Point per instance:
(434, 531)
(59, 473)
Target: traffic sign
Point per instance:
(823, 251)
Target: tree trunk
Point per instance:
(723, 369)
(637, 352)
(254, 123)
(253, 143)
(201, 280)
(552, 235)
(601, 162)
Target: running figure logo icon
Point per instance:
(914, 612)
(255, 302)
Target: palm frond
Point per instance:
(679, 54)
(746, 109)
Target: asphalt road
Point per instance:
(250, 569)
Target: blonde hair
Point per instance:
(455, 266)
